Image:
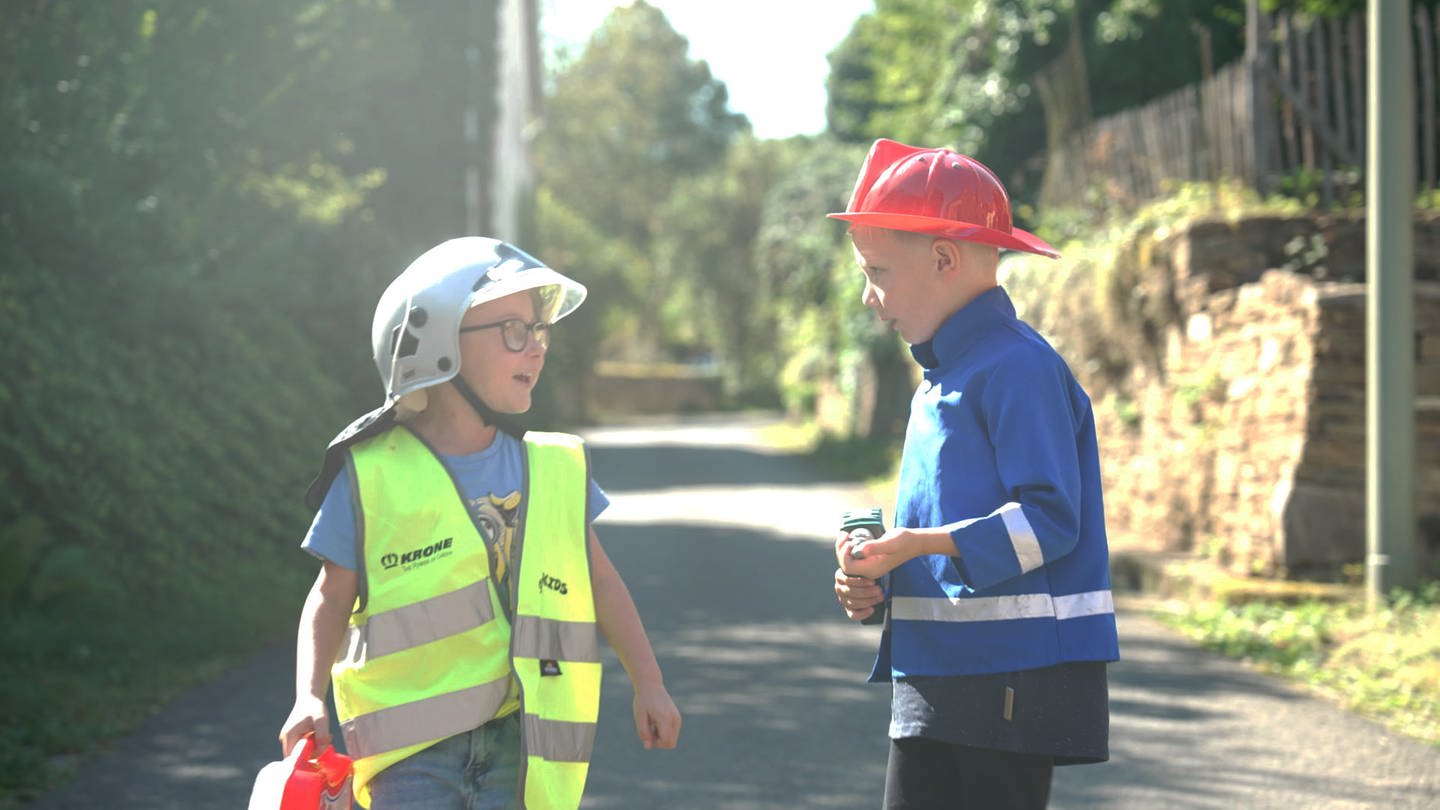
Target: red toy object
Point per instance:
(304, 781)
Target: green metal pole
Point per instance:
(1390, 308)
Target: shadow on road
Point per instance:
(765, 668)
(1190, 729)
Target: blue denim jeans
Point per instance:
(478, 770)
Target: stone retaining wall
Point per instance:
(1248, 443)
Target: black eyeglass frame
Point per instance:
(509, 334)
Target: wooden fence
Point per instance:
(1290, 116)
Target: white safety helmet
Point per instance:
(415, 336)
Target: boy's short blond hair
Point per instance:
(975, 251)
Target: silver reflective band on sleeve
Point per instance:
(423, 720)
(558, 740)
(421, 623)
(1022, 537)
(534, 637)
(1001, 608)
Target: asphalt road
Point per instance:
(725, 547)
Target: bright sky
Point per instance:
(769, 53)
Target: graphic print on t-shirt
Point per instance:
(496, 515)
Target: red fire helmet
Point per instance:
(937, 192)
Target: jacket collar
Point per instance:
(965, 328)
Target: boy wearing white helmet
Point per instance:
(462, 583)
(995, 580)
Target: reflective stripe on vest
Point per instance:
(427, 603)
(416, 722)
(1001, 608)
(554, 648)
(421, 623)
(555, 639)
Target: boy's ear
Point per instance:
(946, 255)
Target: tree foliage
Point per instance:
(710, 244)
(630, 120)
(574, 246)
(827, 341)
(967, 74)
(717, 290)
(630, 115)
(200, 201)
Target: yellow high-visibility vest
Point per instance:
(430, 652)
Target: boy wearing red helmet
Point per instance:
(1000, 620)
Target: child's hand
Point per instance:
(308, 717)
(857, 595)
(873, 558)
(843, 546)
(657, 721)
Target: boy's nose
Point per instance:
(868, 296)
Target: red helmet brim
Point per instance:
(1016, 239)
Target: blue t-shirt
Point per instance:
(491, 480)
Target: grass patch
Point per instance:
(74, 681)
(59, 715)
(1384, 664)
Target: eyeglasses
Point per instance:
(516, 333)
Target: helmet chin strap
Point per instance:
(487, 414)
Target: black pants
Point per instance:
(932, 775)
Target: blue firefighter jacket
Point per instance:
(1001, 450)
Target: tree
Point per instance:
(966, 74)
(716, 293)
(938, 71)
(630, 118)
(572, 245)
(825, 342)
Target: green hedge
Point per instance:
(157, 429)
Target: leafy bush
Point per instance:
(158, 428)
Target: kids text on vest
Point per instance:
(995, 578)
(461, 581)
